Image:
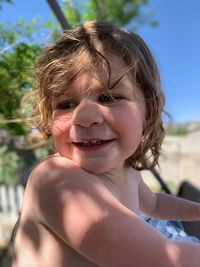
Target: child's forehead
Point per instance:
(85, 74)
(89, 80)
(102, 75)
(94, 81)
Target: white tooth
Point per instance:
(97, 141)
(94, 141)
(85, 142)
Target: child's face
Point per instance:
(93, 130)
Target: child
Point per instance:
(99, 97)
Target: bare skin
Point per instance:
(89, 223)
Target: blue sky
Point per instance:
(175, 44)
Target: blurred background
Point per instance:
(172, 31)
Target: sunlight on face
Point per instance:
(111, 121)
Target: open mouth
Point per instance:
(91, 143)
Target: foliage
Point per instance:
(23, 30)
(9, 161)
(5, 1)
(72, 13)
(179, 130)
(118, 12)
(15, 80)
(17, 57)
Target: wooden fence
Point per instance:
(10, 206)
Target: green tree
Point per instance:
(15, 81)
(118, 12)
(9, 161)
(18, 53)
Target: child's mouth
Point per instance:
(92, 144)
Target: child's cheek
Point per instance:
(59, 127)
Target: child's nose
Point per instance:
(88, 113)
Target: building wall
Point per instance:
(180, 160)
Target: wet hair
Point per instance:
(86, 47)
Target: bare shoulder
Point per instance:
(66, 192)
(53, 162)
(52, 168)
(60, 177)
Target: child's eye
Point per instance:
(107, 99)
(66, 105)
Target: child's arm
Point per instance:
(81, 211)
(164, 206)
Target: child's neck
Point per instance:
(124, 186)
(116, 181)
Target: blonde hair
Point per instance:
(85, 46)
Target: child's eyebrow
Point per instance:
(122, 83)
(64, 94)
(117, 82)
